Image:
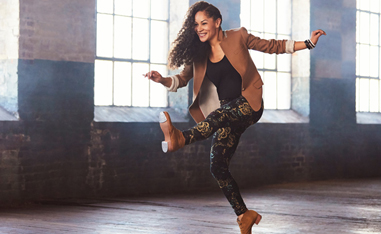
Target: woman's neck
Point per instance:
(216, 40)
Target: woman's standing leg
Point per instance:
(227, 124)
(224, 144)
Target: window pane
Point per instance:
(122, 48)
(105, 6)
(158, 93)
(159, 41)
(141, 8)
(284, 90)
(373, 96)
(364, 94)
(364, 5)
(364, 27)
(245, 13)
(140, 45)
(140, 85)
(270, 90)
(284, 17)
(104, 35)
(103, 82)
(270, 16)
(283, 37)
(379, 64)
(257, 34)
(159, 9)
(364, 60)
(357, 60)
(374, 20)
(123, 7)
(270, 61)
(374, 61)
(257, 11)
(374, 5)
(269, 36)
(284, 62)
(257, 58)
(122, 84)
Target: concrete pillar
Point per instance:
(333, 64)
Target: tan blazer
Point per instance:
(235, 44)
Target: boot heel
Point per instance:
(258, 219)
(173, 138)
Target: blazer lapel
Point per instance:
(199, 75)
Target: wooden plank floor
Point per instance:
(339, 206)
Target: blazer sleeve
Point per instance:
(263, 45)
(180, 80)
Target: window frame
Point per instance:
(263, 70)
(362, 78)
(131, 60)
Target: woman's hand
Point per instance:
(154, 76)
(316, 34)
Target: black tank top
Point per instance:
(227, 80)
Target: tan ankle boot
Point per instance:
(173, 138)
(247, 221)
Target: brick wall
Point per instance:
(56, 150)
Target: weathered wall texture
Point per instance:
(57, 30)
(56, 150)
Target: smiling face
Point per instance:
(206, 27)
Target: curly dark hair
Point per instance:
(187, 47)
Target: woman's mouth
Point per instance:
(201, 35)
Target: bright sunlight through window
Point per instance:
(368, 98)
(132, 39)
(271, 19)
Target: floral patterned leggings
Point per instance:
(227, 124)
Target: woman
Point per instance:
(227, 91)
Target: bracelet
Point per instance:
(309, 44)
(313, 45)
